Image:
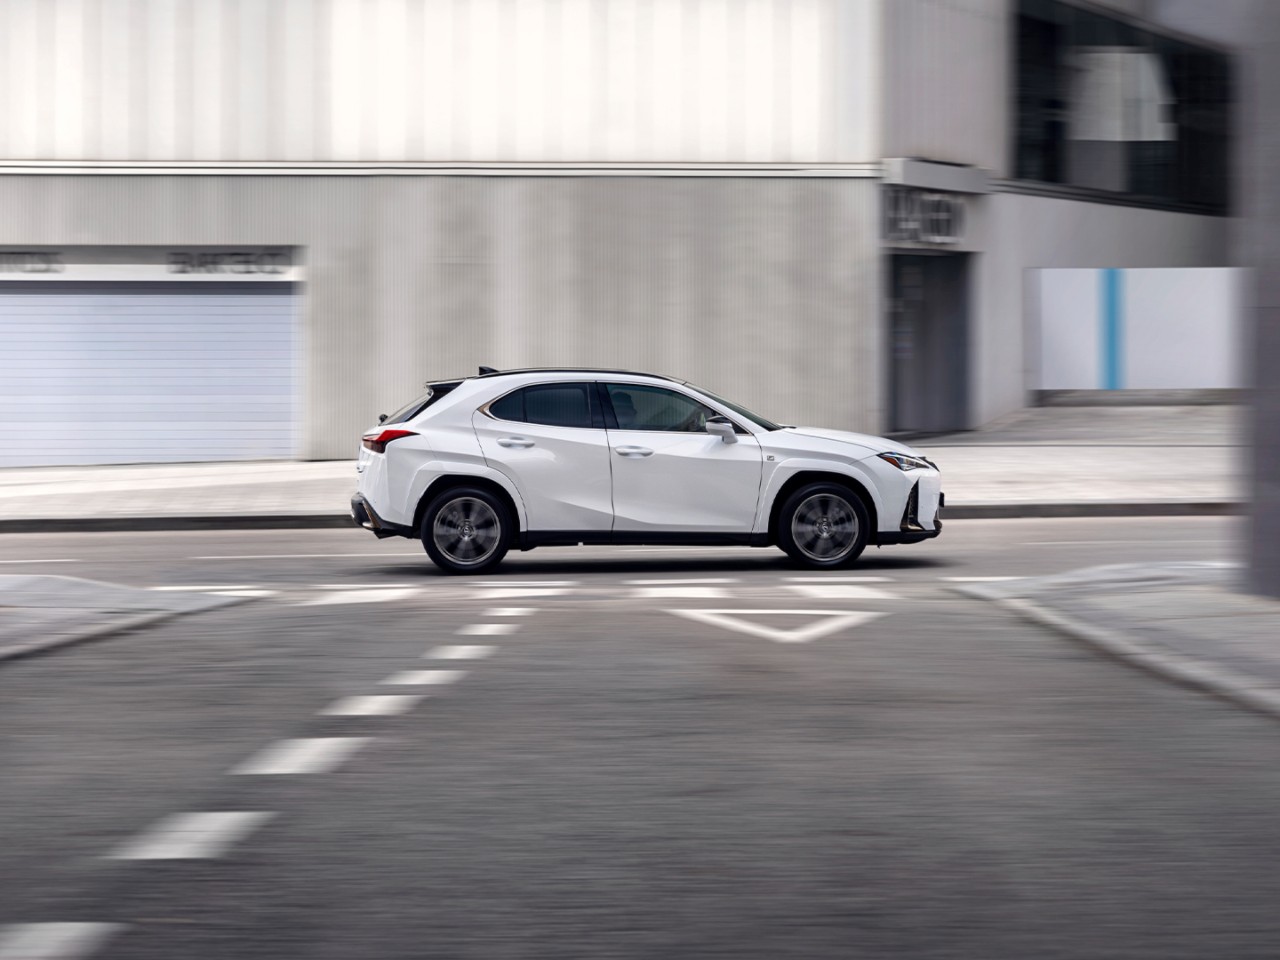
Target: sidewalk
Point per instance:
(1185, 622)
(1051, 461)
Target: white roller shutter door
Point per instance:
(146, 372)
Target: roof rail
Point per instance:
(631, 373)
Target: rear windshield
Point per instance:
(411, 410)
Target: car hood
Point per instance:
(871, 444)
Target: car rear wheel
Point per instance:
(823, 525)
(466, 530)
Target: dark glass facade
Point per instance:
(1105, 105)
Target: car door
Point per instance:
(549, 439)
(669, 474)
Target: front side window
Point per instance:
(549, 404)
(639, 407)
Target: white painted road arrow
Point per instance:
(827, 622)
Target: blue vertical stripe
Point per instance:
(1112, 330)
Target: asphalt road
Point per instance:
(605, 768)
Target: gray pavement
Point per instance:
(1039, 461)
(607, 777)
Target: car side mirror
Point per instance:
(722, 428)
(382, 418)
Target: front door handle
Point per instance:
(630, 451)
(520, 443)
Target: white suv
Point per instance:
(529, 458)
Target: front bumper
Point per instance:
(363, 515)
(911, 530)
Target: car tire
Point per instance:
(466, 530)
(823, 525)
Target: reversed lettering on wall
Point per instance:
(912, 215)
(31, 261)
(234, 262)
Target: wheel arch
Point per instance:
(803, 478)
(450, 480)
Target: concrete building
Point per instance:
(240, 229)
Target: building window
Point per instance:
(1108, 106)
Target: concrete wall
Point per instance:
(946, 81)
(1022, 233)
(723, 81)
(766, 290)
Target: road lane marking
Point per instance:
(59, 560)
(381, 705)
(192, 836)
(365, 586)
(519, 593)
(979, 579)
(54, 941)
(524, 583)
(419, 678)
(840, 591)
(509, 611)
(301, 756)
(460, 652)
(202, 588)
(657, 581)
(374, 595)
(827, 622)
(840, 579)
(679, 593)
(488, 629)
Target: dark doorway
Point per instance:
(928, 343)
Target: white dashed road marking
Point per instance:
(488, 629)
(677, 592)
(59, 560)
(519, 593)
(54, 941)
(301, 756)
(205, 588)
(827, 622)
(840, 591)
(662, 582)
(192, 836)
(386, 705)
(464, 652)
(418, 678)
(375, 595)
(978, 579)
(509, 611)
(840, 579)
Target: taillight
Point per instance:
(377, 442)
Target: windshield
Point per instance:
(741, 411)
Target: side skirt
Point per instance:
(634, 538)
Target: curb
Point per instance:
(49, 644)
(1224, 684)
(321, 521)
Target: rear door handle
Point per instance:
(629, 451)
(519, 443)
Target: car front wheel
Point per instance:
(823, 525)
(466, 530)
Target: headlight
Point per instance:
(905, 462)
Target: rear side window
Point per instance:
(411, 410)
(550, 404)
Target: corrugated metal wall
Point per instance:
(764, 289)
(440, 80)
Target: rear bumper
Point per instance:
(363, 515)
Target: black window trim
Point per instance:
(593, 401)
